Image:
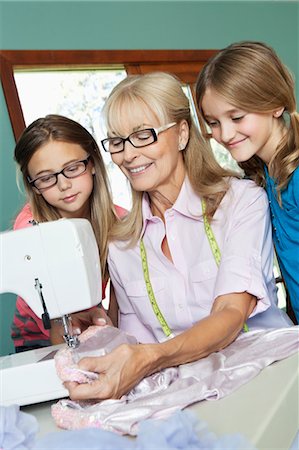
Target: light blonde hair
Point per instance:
(250, 76)
(161, 95)
(58, 128)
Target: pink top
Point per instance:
(186, 289)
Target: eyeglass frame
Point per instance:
(155, 132)
(84, 161)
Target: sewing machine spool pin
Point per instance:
(45, 316)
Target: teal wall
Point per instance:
(130, 25)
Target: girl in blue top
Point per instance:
(246, 96)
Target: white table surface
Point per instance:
(265, 410)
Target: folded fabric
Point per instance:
(17, 429)
(181, 431)
(161, 394)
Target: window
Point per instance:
(185, 64)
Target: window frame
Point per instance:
(185, 64)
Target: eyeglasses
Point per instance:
(72, 171)
(138, 139)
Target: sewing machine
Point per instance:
(55, 267)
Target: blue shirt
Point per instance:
(285, 223)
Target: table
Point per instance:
(265, 410)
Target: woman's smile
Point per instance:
(138, 169)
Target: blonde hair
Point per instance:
(250, 76)
(58, 128)
(161, 95)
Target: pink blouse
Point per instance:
(186, 288)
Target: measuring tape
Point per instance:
(150, 292)
(210, 235)
(216, 253)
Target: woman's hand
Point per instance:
(119, 371)
(125, 366)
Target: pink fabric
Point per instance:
(160, 394)
(186, 289)
(95, 341)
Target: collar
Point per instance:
(188, 204)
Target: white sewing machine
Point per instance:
(55, 267)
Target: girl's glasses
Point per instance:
(72, 171)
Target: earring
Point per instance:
(181, 147)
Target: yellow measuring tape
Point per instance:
(210, 235)
(216, 253)
(150, 292)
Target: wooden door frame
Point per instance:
(186, 64)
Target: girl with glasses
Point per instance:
(64, 176)
(247, 98)
(192, 263)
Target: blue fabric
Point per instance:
(181, 431)
(17, 429)
(285, 223)
(295, 443)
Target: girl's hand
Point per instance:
(119, 371)
(93, 316)
(80, 322)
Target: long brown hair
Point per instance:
(250, 76)
(58, 128)
(162, 95)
